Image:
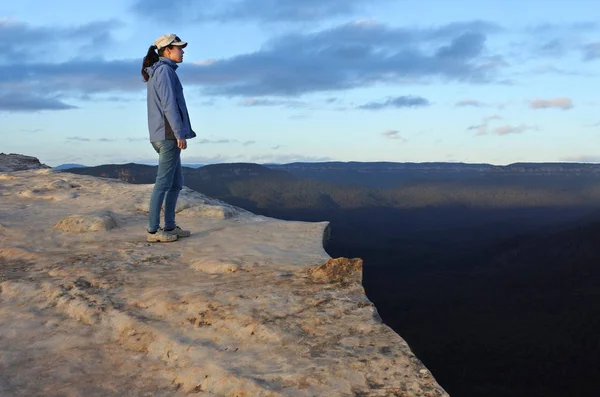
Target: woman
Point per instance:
(170, 128)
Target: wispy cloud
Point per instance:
(216, 141)
(78, 139)
(546, 28)
(269, 11)
(582, 158)
(224, 141)
(397, 102)
(393, 134)
(469, 102)
(513, 129)
(560, 103)
(591, 51)
(555, 47)
(555, 40)
(272, 102)
(284, 158)
(83, 139)
(483, 128)
(552, 69)
(592, 125)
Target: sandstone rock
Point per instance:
(18, 162)
(95, 222)
(237, 309)
(341, 271)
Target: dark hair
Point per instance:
(150, 59)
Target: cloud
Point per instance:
(47, 86)
(483, 128)
(216, 141)
(276, 158)
(78, 139)
(269, 11)
(546, 29)
(466, 46)
(393, 134)
(554, 48)
(31, 43)
(44, 68)
(591, 51)
(561, 103)
(223, 141)
(469, 102)
(510, 129)
(30, 102)
(551, 69)
(582, 158)
(351, 55)
(272, 102)
(82, 139)
(552, 40)
(398, 102)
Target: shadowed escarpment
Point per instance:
(246, 306)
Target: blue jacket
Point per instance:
(168, 116)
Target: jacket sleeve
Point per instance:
(165, 87)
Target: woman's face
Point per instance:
(174, 53)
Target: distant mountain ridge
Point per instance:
(391, 174)
(391, 185)
(68, 166)
(212, 180)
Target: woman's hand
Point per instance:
(182, 144)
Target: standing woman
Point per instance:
(170, 128)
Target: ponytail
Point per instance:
(150, 59)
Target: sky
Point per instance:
(280, 81)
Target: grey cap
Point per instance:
(169, 39)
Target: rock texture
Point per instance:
(18, 162)
(246, 306)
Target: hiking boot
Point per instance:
(179, 232)
(161, 237)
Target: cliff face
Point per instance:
(246, 306)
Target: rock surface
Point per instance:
(18, 162)
(246, 306)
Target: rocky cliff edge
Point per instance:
(246, 306)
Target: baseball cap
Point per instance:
(169, 39)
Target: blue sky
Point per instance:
(492, 81)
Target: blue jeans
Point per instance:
(169, 182)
